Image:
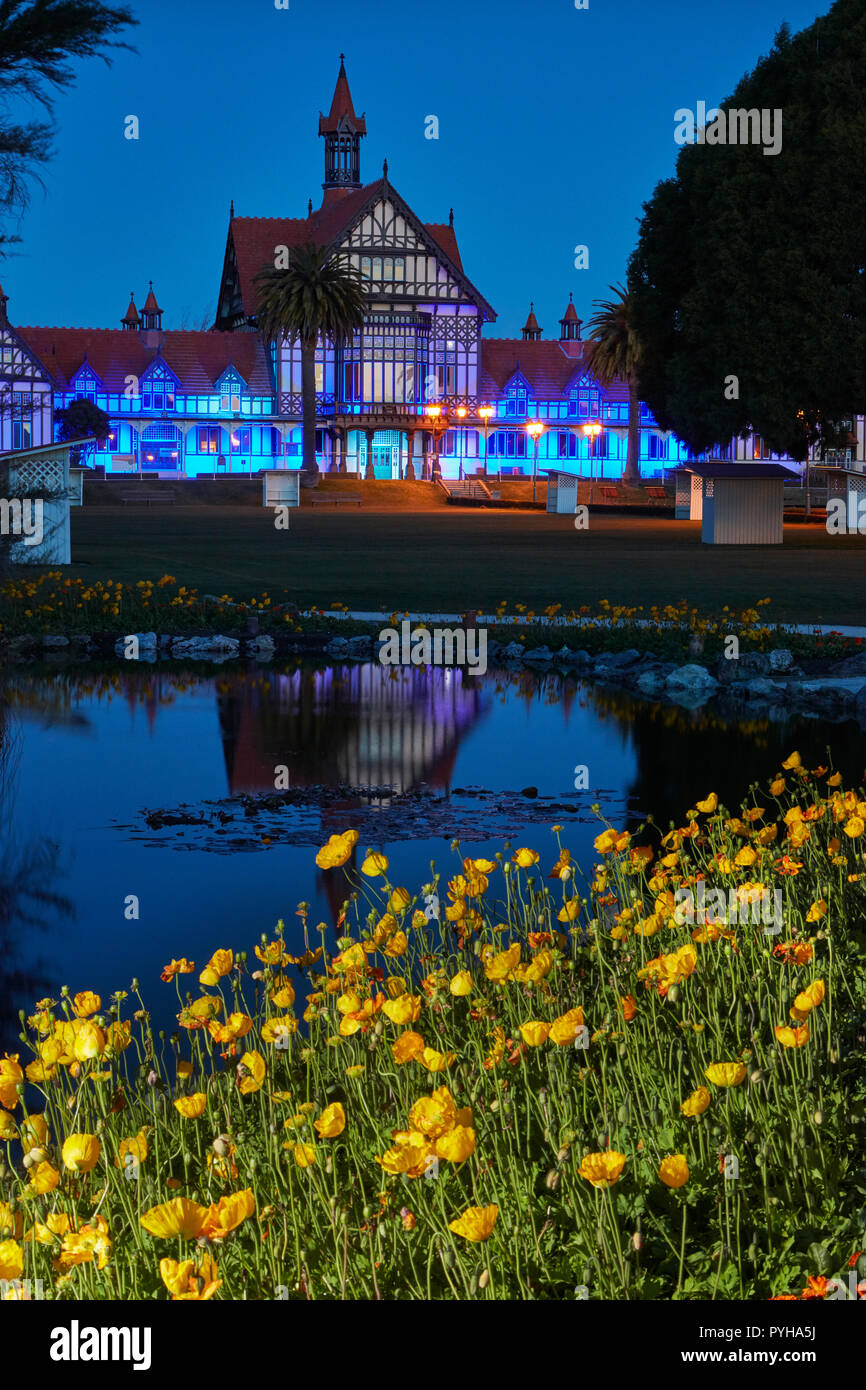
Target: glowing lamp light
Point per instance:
(150, 458)
(485, 411)
(534, 428)
(591, 429)
(461, 411)
(174, 454)
(435, 411)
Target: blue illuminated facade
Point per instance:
(418, 389)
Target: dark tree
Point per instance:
(79, 420)
(38, 40)
(751, 265)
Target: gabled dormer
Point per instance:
(158, 387)
(85, 382)
(232, 388)
(584, 397)
(516, 395)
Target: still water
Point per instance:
(160, 784)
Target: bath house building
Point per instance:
(425, 385)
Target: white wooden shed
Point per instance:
(561, 491)
(847, 485)
(281, 487)
(741, 503)
(689, 496)
(35, 497)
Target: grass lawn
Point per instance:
(453, 559)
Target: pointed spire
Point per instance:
(451, 218)
(342, 113)
(531, 330)
(385, 170)
(151, 314)
(342, 130)
(232, 210)
(131, 318)
(569, 323)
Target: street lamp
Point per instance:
(592, 429)
(461, 415)
(438, 425)
(485, 411)
(534, 429)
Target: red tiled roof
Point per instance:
(131, 315)
(150, 304)
(548, 368)
(531, 325)
(570, 315)
(197, 358)
(256, 237)
(342, 108)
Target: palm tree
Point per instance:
(613, 351)
(318, 296)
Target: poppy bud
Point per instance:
(221, 1145)
(551, 1182)
(756, 1076)
(637, 1241)
(674, 993)
(483, 1279)
(818, 1117)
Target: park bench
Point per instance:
(658, 494)
(336, 497)
(610, 493)
(140, 495)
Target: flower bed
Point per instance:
(524, 1083)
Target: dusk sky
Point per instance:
(555, 124)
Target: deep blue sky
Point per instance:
(555, 125)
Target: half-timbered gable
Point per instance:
(26, 391)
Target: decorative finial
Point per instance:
(342, 56)
(232, 209)
(309, 207)
(570, 297)
(451, 218)
(385, 169)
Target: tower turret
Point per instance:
(342, 131)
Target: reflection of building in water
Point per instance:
(356, 726)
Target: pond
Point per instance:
(197, 798)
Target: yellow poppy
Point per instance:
(674, 1171)
(331, 1122)
(457, 1144)
(602, 1169)
(374, 865)
(476, 1224)
(534, 1033)
(461, 984)
(726, 1073)
(696, 1103)
(254, 1069)
(407, 1047)
(191, 1106)
(219, 965)
(179, 1217)
(80, 1152)
(338, 850)
(228, 1213)
(792, 1037)
(86, 1003)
